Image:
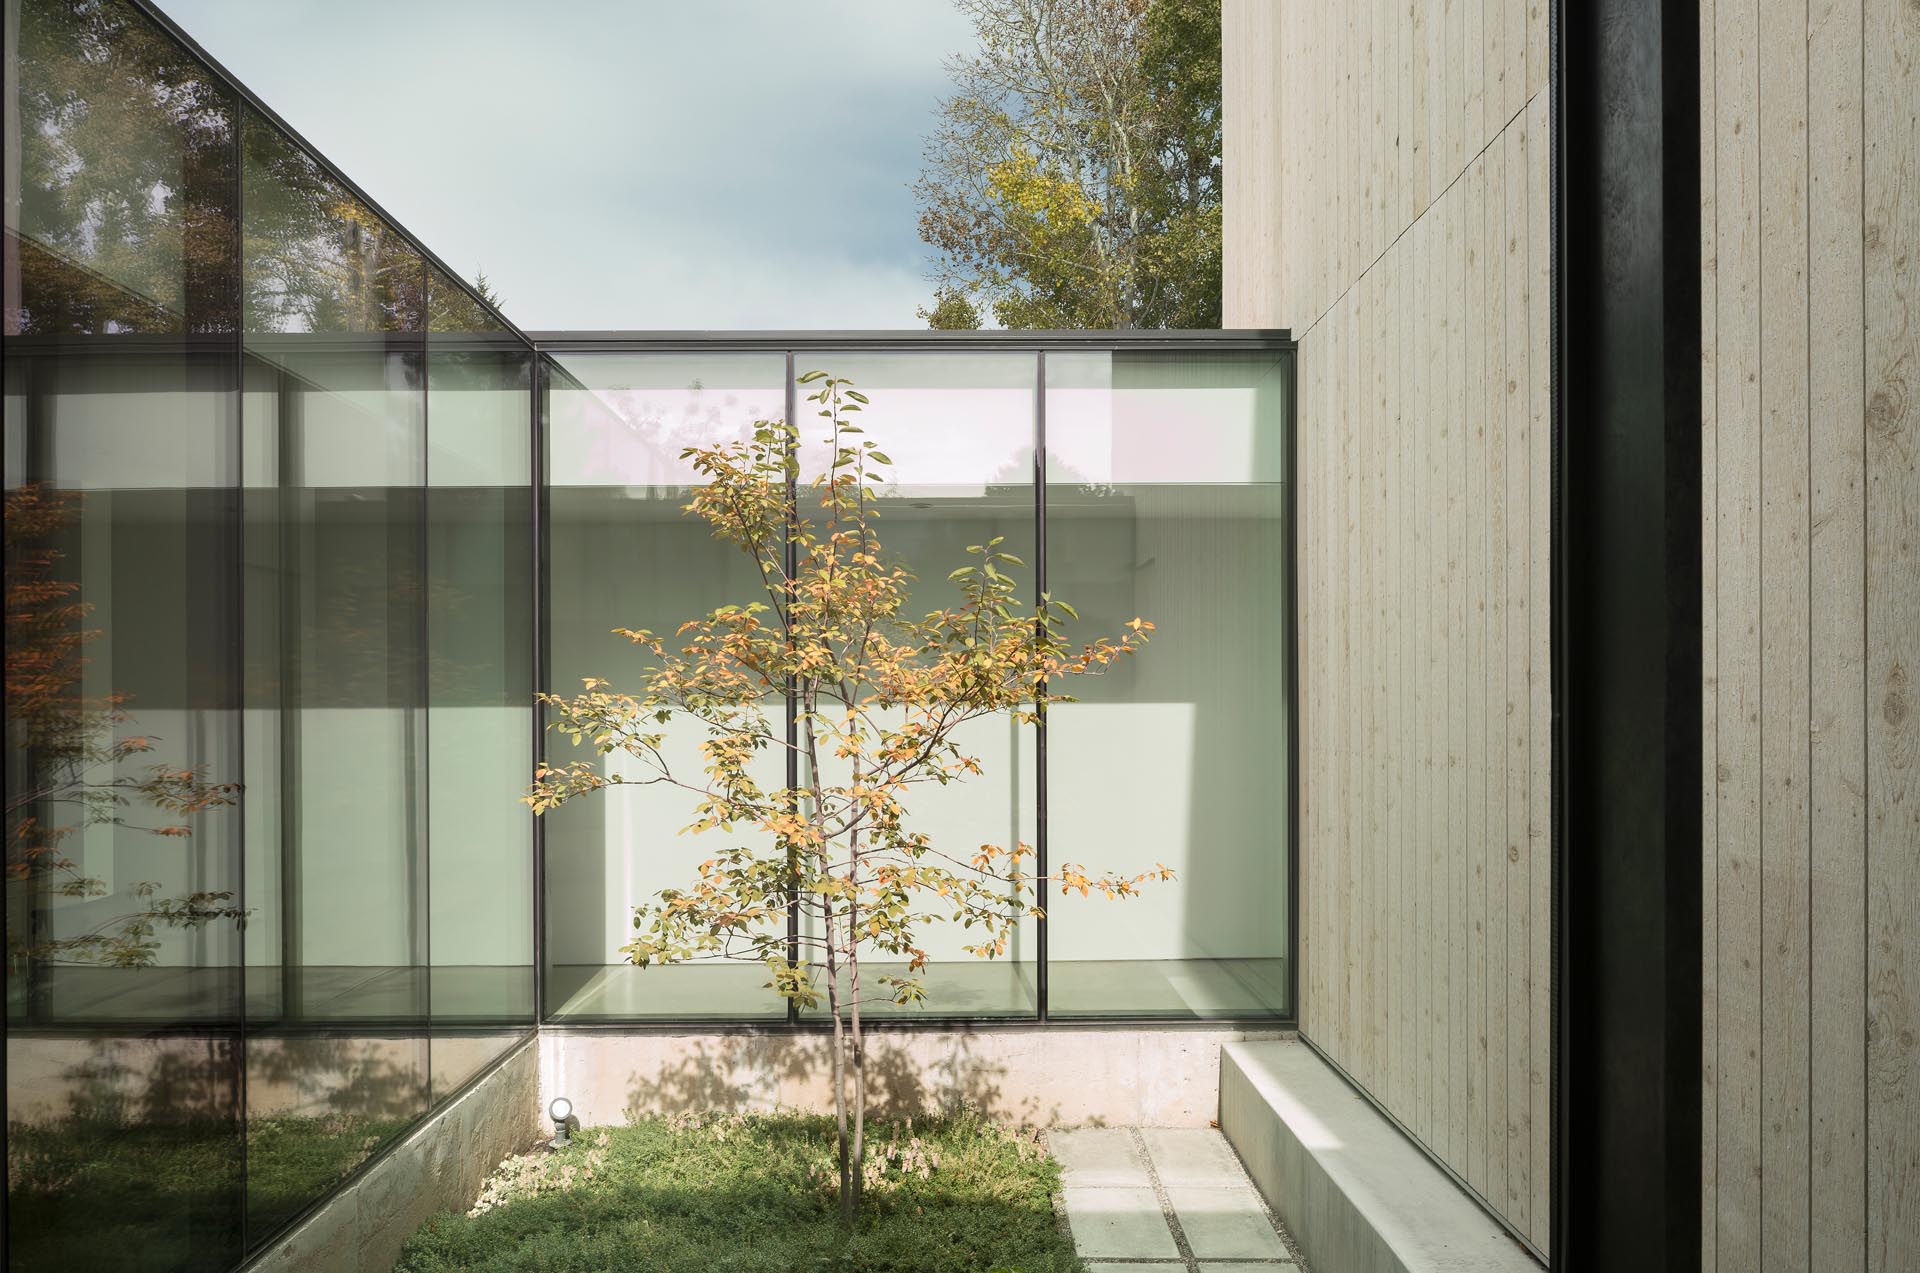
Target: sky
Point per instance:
(654, 164)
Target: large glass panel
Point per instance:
(123, 759)
(959, 427)
(623, 554)
(1166, 499)
(480, 683)
(335, 420)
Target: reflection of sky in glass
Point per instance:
(1100, 433)
(627, 417)
(953, 424)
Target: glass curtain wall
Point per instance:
(622, 553)
(1166, 498)
(268, 662)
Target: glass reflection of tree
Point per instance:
(318, 260)
(75, 752)
(126, 178)
(637, 438)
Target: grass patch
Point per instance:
(754, 1194)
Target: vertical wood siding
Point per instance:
(1810, 201)
(1393, 211)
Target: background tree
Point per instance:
(1073, 179)
(75, 754)
(882, 700)
(952, 312)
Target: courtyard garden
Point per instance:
(758, 1193)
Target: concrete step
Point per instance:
(1357, 1195)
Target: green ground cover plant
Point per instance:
(756, 1193)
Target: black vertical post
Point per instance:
(1291, 448)
(537, 602)
(790, 559)
(1041, 1005)
(1626, 639)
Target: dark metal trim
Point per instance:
(1627, 655)
(1557, 1015)
(1264, 1027)
(779, 341)
(538, 513)
(790, 560)
(1291, 443)
(1043, 1007)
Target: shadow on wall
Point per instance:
(907, 1075)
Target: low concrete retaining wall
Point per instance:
(1353, 1190)
(441, 1165)
(1059, 1076)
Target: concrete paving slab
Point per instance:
(1119, 1223)
(1193, 1156)
(1148, 1266)
(1099, 1157)
(1226, 1224)
(1238, 1266)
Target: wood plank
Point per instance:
(1494, 774)
(1493, 67)
(1519, 1114)
(1709, 644)
(1737, 711)
(1366, 806)
(1785, 740)
(1429, 322)
(1891, 195)
(1419, 49)
(1538, 63)
(1460, 925)
(1387, 598)
(1474, 73)
(1414, 494)
(1454, 104)
(1379, 920)
(1540, 660)
(1360, 859)
(1475, 583)
(1515, 47)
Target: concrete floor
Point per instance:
(1170, 1199)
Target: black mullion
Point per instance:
(790, 558)
(1040, 705)
(537, 528)
(1290, 585)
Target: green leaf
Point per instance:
(810, 377)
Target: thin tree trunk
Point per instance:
(848, 1200)
(859, 1046)
(839, 1077)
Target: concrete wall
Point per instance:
(440, 1166)
(1054, 1077)
(1387, 199)
(1810, 303)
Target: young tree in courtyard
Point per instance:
(882, 702)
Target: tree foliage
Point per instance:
(80, 759)
(882, 703)
(1073, 179)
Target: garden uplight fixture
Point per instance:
(560, 1111)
